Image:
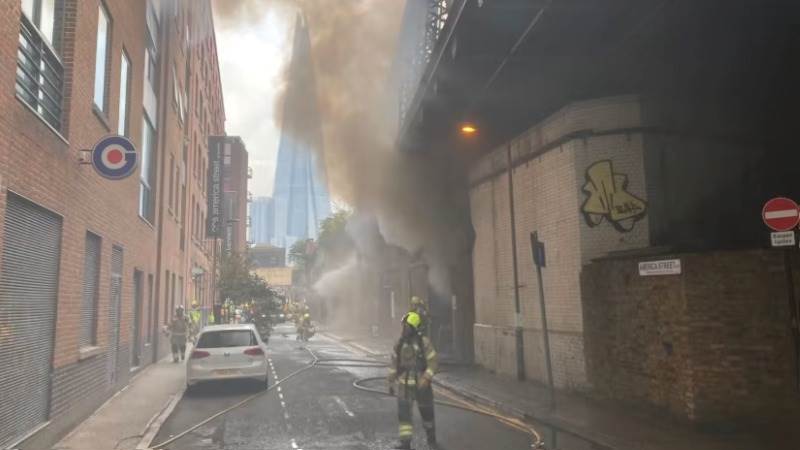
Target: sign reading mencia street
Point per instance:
(782, 238)
(214, 221)
(663, 267)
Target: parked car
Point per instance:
(228, 352)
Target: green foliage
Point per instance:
(302, 254)
(238, 283)
(241, 286)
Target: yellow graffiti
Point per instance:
(609, 199)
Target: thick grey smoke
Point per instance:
(418, 199)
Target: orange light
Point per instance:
(468, 129)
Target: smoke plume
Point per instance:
(418, 198)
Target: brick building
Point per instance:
(91, 267)
(235, 174)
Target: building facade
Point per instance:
(262, 220)
(266, 255)
(90, 267)
(235, 196)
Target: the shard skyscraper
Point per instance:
(301, 198)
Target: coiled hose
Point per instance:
(456, 403)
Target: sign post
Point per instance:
(539, 260)
(782, 215)
(214, 220)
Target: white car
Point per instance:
(226, 352)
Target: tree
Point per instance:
(241, 286)
(335, 243)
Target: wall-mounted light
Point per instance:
(468, 129)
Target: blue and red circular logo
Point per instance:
(114, 157)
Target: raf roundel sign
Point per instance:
(114, 157)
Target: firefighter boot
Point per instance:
(403, 445)
(431, 438)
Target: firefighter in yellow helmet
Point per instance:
(414, 364)
(420, 306)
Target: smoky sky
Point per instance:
(417, 198)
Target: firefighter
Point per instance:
(194, 320)
(420, 306)
(414, 364)
(177, 332)
(305, 328)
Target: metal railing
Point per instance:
(40, 74)
(425, 26)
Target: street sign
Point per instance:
(114, 157)
(663, 267)
(782, 238)
(214, 219)
(781, 214)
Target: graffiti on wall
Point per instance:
(608, 198)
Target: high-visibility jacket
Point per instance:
(413, 360)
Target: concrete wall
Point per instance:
(711, 344)
(550, 164)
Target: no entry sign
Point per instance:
(781, 214)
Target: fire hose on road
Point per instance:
(456, 403)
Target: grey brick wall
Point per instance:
(550, 162)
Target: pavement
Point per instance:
(320, 409)
(129, 419)
(576, 422)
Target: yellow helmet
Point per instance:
(412, 319)
(307, 315)
(194, 304)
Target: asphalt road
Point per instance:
(318, 410)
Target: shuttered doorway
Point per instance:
(28, 294)
(114, 315)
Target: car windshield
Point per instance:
(400, 224)
(230, 338)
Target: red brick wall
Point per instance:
(712, 344)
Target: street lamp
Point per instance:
(468, 129)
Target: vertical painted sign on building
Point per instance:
(215, 152)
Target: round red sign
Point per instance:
(781, 214)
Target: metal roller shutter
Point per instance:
(91, 281)
(28, 295)
(114, 313)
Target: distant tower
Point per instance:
(300, 197)
(262, 220)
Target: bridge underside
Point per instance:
(721, 67)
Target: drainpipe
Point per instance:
(162, 138)
(519, 343)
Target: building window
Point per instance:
(101, 58)
(151, 51)
(167, 312)
(151, 325)
(124, 94)
(91, 282)
(172, 184)
(147, 173)
(40, 73)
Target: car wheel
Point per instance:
(265, 383)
